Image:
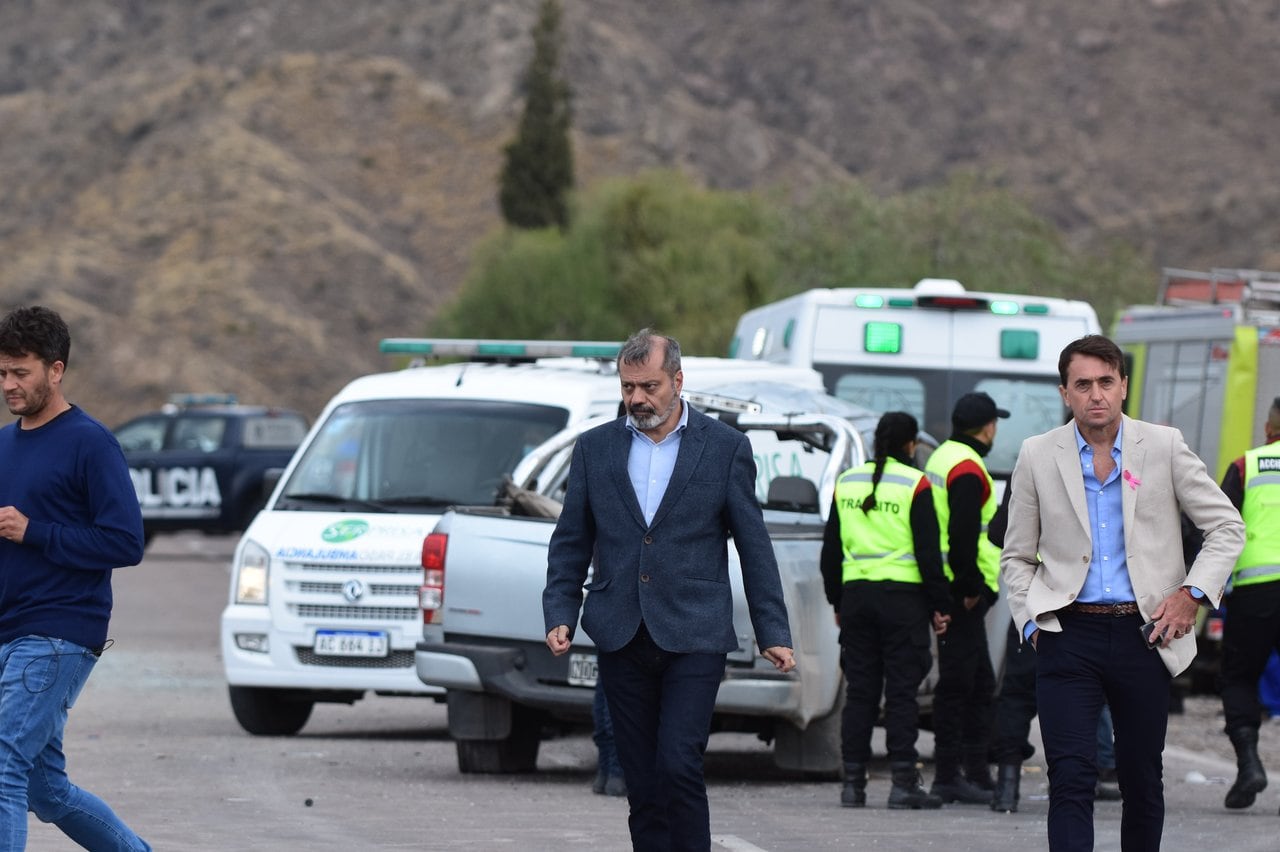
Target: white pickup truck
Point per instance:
(483, 638)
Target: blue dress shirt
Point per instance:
(649, 464)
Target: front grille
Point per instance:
(385, 594)
(315, 588)
(396, 660)
(358, 613)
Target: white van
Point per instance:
(919, 349)
(324, 583)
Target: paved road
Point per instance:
(153, 733)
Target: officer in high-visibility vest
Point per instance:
(966, 682)
(882, 572)
(1252, 627)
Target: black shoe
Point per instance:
(1251, 779)
(959, 789)
(908, 792)
(615, 785)
(853, 792)
(1004, 799)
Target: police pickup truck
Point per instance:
(483, 637)
(202, 461)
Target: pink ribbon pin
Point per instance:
(1133, 481)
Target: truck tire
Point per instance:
(815, 751)
(516, 752)
(267, 712)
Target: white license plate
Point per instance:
(351, 643)
(583, 670)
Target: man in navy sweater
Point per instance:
(68, 517)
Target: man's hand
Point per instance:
(971, 602)
(13, 524)
(1175, 617)
(781, 657)
(940, 623)
(558, 640)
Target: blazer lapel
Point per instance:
(1068, 460)
(691, 444)
(1131, 455)
(619, 452)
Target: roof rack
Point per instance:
(191, 400)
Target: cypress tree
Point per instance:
(538, 172)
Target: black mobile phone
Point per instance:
(1148, 633)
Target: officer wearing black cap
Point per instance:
(966, 681)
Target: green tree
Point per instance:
(651, 250)
(538, 173)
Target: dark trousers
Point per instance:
(966, 685)
(884, 648)
(1250, 634)
(661, 705)
(1016, 703)
(1099, 659)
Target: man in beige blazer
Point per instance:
(1093, 550)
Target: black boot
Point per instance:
(1005, 798)
(950, 785)
(976, 769)
(853, 794)
(908, 792)
(1251, 779)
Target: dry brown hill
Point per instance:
(245, 196)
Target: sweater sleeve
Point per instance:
(832, 559)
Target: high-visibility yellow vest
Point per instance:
(1259, 562)
(941, 463)
(878, 544)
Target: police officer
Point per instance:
(1252, 628)
(882, 572)
(966, 681)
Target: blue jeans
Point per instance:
(40, 679)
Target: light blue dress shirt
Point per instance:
(649, 464)
(1108, 578)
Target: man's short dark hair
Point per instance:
(1096, 345)
(37, 331)
(639, 347)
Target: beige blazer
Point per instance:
(1048, 544)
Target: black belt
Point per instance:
(1112, 609)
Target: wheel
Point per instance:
(516, 752)
(814, 751)
(269, 712)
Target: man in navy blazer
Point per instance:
(652, 499)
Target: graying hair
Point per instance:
(639, 347)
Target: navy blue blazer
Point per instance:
(673, 573)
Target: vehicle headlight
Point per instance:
(251, 574)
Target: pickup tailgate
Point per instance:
(496, 591)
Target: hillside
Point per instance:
(245, 196)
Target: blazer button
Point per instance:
(648, 539)
(644, 578)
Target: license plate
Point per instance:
(583, 670)
(351, 643)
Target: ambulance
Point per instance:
(919, 349)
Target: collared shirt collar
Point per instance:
(1081, 443)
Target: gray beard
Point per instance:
(648, 422)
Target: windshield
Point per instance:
(1033, 402)
(416, 455)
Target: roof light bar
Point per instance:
(506, 350)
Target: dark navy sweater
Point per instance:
(70, 479)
